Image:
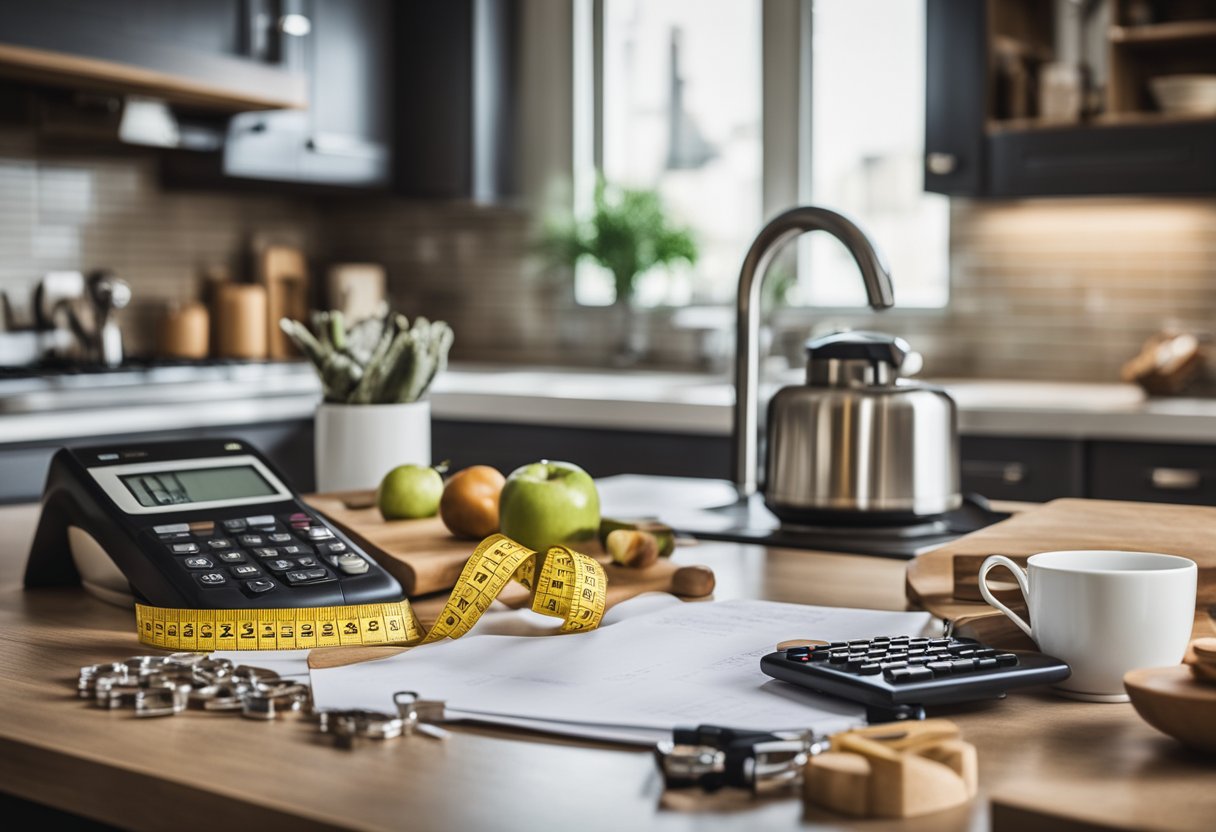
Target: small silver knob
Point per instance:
(941, 164)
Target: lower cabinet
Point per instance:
(602, 452)
(287, 444)
(1033, 470)
(1153, 472)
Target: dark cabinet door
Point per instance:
(1034, 470)
(220, 53)
(1174, 158)
(956, 74)
(1153, 472)
(455, 77)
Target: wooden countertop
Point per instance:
(1038, 754)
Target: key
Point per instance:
(1006, 659)
(941, 668)
(869, 669)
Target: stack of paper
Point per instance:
(656, 663)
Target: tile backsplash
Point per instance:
(1063, 289)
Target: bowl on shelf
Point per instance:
(1191, 94)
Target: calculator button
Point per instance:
(172, 528)
(231, 557)
(246, 571)
(280, 537)
(337, 547)
(219, 543)
(869, 669)
(183, 548)
(941, 668)
(962, 665)
(198, 562)
(281, 565)
(267, 552)
(987, 663)
(800, 659)
(212, 579)
(355, 565)
(260, 520)
(838, 658)
(296, 549)
(893, 665)
(791, 652)
(252, 540)
(909, 674)
(317, 533)
(306, 576)
(307, 563)
(1006, 659)
(297, 517)
(237, 525)
(259, 585)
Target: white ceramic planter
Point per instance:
(357, 444)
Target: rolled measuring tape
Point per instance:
(565, 584)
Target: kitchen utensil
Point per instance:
(1171, 700)
(857, 444)
(424, 557)
(357, 290)
(284, 273)
(108, 295)
(240, 321)
(1104, 612)
(185, 331)
(1189, 94)
(854, 445)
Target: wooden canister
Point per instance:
(185, 331)
(240, 321)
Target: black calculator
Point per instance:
(900, 674)
(206, 524)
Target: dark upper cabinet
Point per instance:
(455, 78)
(214, 54)
(986, 130)
(344, 137)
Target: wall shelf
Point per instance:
(1162, 34)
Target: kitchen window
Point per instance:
(671, 95)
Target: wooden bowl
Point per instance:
(1170, 700)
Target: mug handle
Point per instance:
(1019, 575)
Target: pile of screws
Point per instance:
(168, 685)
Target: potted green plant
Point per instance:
(628, 233)
(374, 376)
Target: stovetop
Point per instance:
(708, 510)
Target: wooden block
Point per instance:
(838, 781)
(904, 784)
(904, 736)
(960, 757)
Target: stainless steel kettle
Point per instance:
(859, 443)
(856, 444)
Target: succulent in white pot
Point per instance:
(374, 377)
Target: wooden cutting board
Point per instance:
(943, 581)
(424, 557)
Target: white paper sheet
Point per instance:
(673, 664)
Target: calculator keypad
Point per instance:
(279, 545)
(903, 658)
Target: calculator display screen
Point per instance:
(197, 485)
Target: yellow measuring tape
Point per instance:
(568, 585)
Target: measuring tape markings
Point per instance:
(568, 585)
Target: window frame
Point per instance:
(787, 107)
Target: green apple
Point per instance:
(410, 491)
(549, 504)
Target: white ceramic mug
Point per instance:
(1103, 612)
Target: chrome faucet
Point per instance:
(874, 273)
(59, 299)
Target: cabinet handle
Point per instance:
(1011, 473)
(1175, 479)
(941, 164)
